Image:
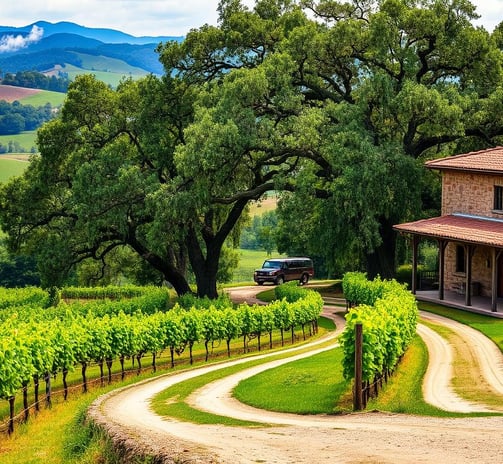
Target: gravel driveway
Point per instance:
(369, 437)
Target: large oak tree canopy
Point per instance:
(336, 103)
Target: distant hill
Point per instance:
(103, 35)
(56, 45)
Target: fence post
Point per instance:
(358, 391)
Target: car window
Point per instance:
(272, 265)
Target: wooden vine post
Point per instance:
(358, 384)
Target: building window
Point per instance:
(460, 259)
(498, 197)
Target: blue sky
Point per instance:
(153, 17)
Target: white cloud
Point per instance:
(12, 43)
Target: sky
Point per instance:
(153, 17)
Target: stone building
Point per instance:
(469, 232)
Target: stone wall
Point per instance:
(481, 269)
(469, 193)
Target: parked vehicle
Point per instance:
(279, 270)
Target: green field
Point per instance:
(10, 167)
(25, 139)
(110, 74)
(43, 97)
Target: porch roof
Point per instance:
(459, 228)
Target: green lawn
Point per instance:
(10, 168)
(314, 385)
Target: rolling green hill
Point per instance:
(43, 97)
(108, 70)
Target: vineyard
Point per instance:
(103, 327)
(388, 314)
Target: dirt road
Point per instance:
(357, 438)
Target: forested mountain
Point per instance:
(103, 35)
(48, 46)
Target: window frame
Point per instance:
(498, 198)
(460, 259)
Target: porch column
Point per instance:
(442, 244)
(469, 250)
(494, 278)
(415, 244)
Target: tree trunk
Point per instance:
(11, 414)
(48, 389)
(65, 384)
(382, 260)
(84, 378)
(26, 407)
(138, 358)
(102, 373)
(121, 360)
(35, 387)
(166, 267)
(109, 367)
(172, 355)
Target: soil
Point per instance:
(370, 437)
(10, 93)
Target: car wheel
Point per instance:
(280, 280)
(260, 282)
(304, 279)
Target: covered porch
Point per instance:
(480, 304)
(470, 236)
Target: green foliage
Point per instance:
(337, 104)
(29, 296)
(291, 291)
(34, 340)
(16, 117)
(388, 314)
(261, 233)
(35, 80)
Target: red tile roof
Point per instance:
(462, 228)
(487, 161)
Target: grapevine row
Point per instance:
(77, 335)
(388, 314)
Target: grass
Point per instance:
(57, 435)
(467, 381)
(309, 386)
(60, 435)
(10, 168)
(26, 140)
(491, 327)
(43, 97)
(111, 78)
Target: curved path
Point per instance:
(356, 438)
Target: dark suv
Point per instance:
(281, 270)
